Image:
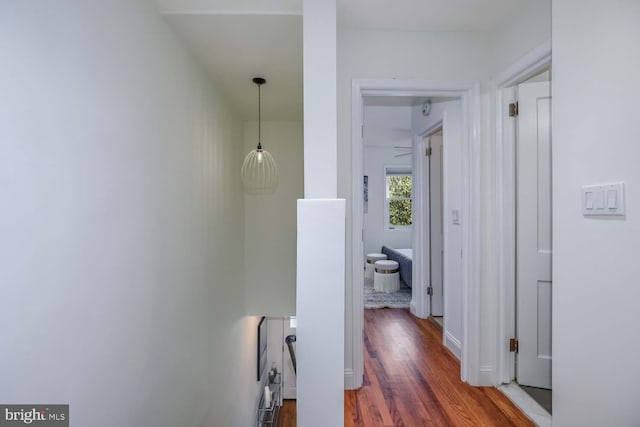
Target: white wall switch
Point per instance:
(603, 200)
(612, 199)
(455, 217)
(588, 200)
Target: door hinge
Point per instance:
(513, 345)
(430, 291)
(427, 152)
(513, 110)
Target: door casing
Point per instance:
(504, 220)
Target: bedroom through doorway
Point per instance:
(412, 192)
(388, 201)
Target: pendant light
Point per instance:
(259, 170)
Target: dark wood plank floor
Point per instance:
(412, 380)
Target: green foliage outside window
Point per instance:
(399, 195)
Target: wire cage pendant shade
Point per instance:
(259, 170)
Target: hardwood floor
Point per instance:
(288, 414)
(412, 380)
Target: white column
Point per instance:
(321, 231)
(320, 108)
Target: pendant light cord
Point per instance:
(259, 119)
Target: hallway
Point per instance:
(412, 380)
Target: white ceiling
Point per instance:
(231, 7)
(239, 40)
(426, 15)
(236, 48)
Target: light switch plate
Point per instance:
(455, 217)
(603, 200)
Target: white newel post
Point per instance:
(321, 232)
(320, 311)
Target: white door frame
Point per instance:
(469, 94)
(505, 201)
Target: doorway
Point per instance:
(403, 143)
(468, 97)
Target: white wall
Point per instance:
(270, 222)
(525, 31)
(406, 55)
(596, 270)
(121, 255)
(421, 124)
(384, 128)
(452, 145)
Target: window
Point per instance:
(398, 198)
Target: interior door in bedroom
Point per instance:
(435, 225)
(534, 251)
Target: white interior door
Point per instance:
(533, 259)
(435, 225)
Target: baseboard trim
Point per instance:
(350, 380)
(486, 377)
(453, 344)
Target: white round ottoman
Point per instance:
(386, 277)
(371, 259)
